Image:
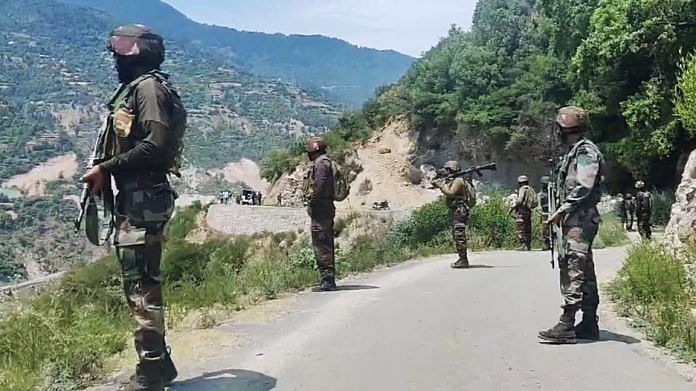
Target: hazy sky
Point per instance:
(409, 26)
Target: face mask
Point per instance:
(125, 69)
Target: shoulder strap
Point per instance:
(126, 90)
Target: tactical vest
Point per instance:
(120, 122)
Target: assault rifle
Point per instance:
(98, 231)
(444, 174)
(556, 232)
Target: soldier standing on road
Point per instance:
(643, 205)
(148, 121)
(525, 202)
(580, 177)
(544, 206)
(630, 211)
(318, 195)
(621, 209)
(460, 196)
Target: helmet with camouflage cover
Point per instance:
(522, 179)
(572, 117)
(640, 185)
(315, 144)
(545, 180)
(453, 166)
(138, 42)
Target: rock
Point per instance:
(682, 224)
(413, 174)
(384, 150)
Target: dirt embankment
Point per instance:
(33, 183)
(245, 171)
(385, 175)
(386, 166)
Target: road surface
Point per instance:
(423, 326)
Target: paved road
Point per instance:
(423, 326)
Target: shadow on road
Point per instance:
(606, 336)
(355, 287)
(228, 380)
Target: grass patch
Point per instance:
(653, 287)
(611, 233)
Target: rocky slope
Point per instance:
(682, 226)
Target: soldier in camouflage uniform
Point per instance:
(318, 196)
(579, 179)
(460, 196)
(544, 206)
(630, 207)
(643, 204)
(525, 202)
(147, 122)
(621, 209)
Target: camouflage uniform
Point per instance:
(526, 200)
(544, 206)
(630, 207)
(643, 203)
(320, 207)
(621, 210)
(579, 178)
(460, 197)
(147, 120)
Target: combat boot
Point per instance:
(563, 332)
(169, 372)
(148, 377)
(326, 284)
(522, 247)
(462, 263)
(588, 328)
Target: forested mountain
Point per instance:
(55, 75)
(341, 70)
(489, 91)
(55, 78)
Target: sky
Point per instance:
(408, 26)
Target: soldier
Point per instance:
(544, 206)
(147, 122)
(643, 206)
(621, 209)
(460, 196)
(318, 195)
(525, 202)
(630, 211)
(580, 176)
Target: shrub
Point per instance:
(653, 286)
(662, 206)
(611, 233)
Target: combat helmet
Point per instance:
(545, 180)
(522, 179)
(453, 165)
(640, 185)
(572, 117)
(315, 144)
(137, 41)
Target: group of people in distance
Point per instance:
(638, 208)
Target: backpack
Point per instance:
(341, 187)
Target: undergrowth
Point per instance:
(654, 288)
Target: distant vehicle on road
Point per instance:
(248, 197)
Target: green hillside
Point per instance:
(491, 90)
(333, 67)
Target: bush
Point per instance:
(662, 206)
(611, 233)
(654, 287)
(491, 222)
